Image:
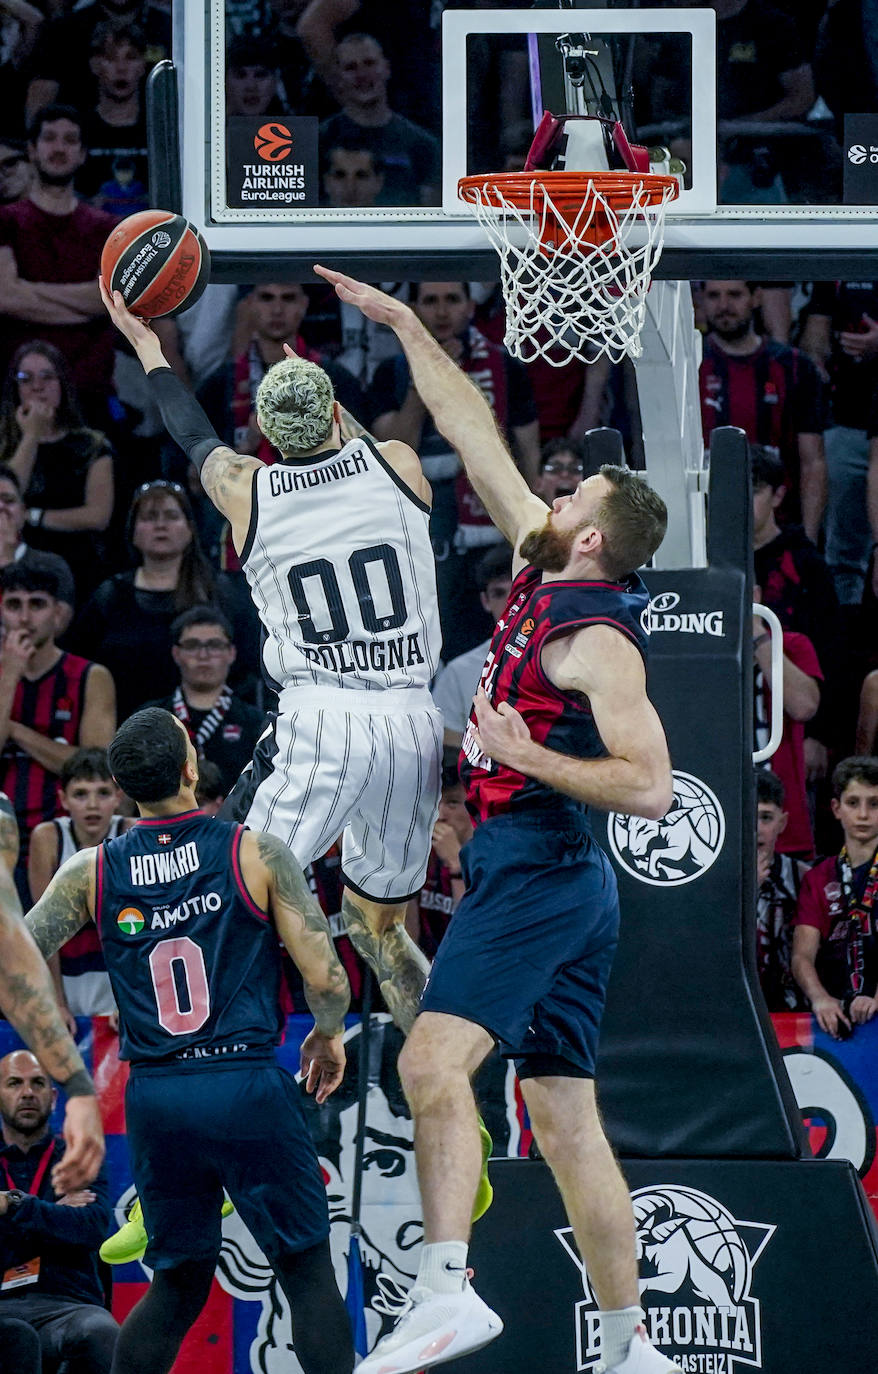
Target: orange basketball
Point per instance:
(158, 261)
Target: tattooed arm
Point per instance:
(66, 904)
(303, 928)
(28, 1001)
(277, 883)
(9, 839)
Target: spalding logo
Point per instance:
(678, 848)
(161, 239)
(273, 142)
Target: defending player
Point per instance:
(561, 723)
(189, 909)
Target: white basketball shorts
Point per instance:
(372, 776)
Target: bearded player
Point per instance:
(561, 723)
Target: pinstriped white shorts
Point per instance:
(372, 777)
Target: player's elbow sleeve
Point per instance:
(183, 417)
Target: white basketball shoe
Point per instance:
(642, 1358)
(434, 1328)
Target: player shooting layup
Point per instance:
(561, 722)
(334, 543)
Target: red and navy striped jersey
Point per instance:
(194, 963)
(774, 395)
(52, 705)
(536, 612)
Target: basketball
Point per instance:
(158, 261)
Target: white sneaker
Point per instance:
(642, 1358)
(436, 1327)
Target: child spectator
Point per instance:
(90, 799)
(778, 878)
(835, 949)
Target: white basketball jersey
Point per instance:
(341, 570)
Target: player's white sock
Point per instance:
(443, 1267)
(617, 1329)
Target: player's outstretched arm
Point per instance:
(634, 776)
(225, 475)
(28, 1001)
(460, 411)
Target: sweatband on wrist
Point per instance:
(79, 1084)
(182, 416)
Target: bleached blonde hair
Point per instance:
(294, 405)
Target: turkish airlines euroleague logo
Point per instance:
(273, 142)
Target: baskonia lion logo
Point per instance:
(678, 848)
(696, 1268)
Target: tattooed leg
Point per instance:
(379, 935)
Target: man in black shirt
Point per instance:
(49, 1245)
(223, 728)
(115, 175)
(61, 60)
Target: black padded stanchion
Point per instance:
(728, 1212)
(689, 1064)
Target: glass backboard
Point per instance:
(355, 154)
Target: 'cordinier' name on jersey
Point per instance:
(283, 479)
(339, 563)
(164, 867)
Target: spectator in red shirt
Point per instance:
(801, 698)
(835, 949)
(50, 249)
(773, 392)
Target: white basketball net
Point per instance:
(576, 299)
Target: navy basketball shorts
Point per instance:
(528, 952)
(192, 1133)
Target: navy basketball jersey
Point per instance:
(194, 963)
(536, 612)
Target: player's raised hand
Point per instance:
(375, 304)
(84, 1136)
(138, 332)
(323, 1061)
(502, 735)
